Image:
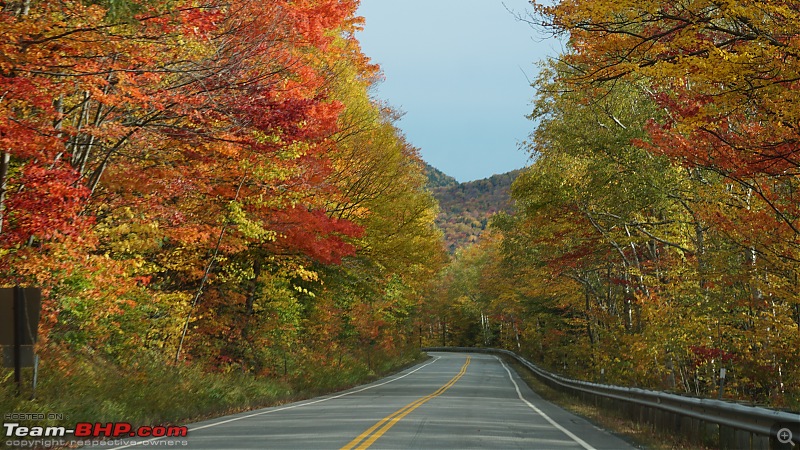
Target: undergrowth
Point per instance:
(152, 392)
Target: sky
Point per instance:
(459, 70)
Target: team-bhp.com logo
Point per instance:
(95, 430)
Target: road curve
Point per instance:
(452, 401)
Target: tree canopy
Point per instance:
(208, 182)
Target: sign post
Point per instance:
(19, 306)
(19, 316)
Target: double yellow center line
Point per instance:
(367, 438)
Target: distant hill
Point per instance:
(437, 178)
(465, 208)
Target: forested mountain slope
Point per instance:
(465, 208)
(438, 179)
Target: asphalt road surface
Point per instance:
(452, 401)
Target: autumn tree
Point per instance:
(208, 183)
(725, 76)
(614, 246)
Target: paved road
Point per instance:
(453, 401)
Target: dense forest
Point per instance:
(655, 240)
(209, 198)
(466, 208)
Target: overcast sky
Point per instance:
(458, 68)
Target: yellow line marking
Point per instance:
(376, 431)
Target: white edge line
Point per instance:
(293, 406)
(580, 441)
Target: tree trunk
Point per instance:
(5, 162)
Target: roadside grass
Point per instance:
(146, 394)
(642, 435)
(316, 380)
(154, 393)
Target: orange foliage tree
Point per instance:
(173, 175)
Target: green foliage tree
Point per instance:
(620, 262)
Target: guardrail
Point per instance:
(707, 421)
